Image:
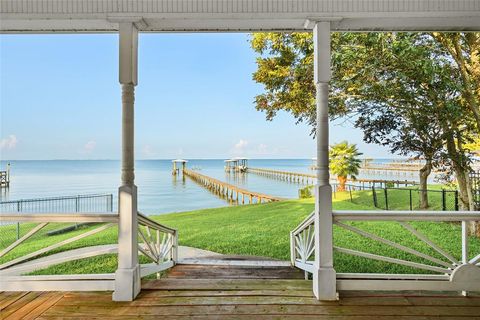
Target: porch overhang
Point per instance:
(72, 16)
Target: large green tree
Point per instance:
(410, 73)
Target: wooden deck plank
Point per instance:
(251, 317)
(20, 303)
(7, 298)
(360, 300)
(146, 294)
(234, 272)
(227, 284)
(28, 308)
(256, 309)
(47, 304)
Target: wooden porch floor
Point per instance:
(226, 292)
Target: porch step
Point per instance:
(196, 271)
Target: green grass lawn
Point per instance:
(263, 230)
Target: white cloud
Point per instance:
(89, 146)
(9, 142)
(240, 147)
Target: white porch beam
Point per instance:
(238, 15)
(324, 276)
(127, 276)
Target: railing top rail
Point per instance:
(305, 223)
(142, 219)
(81, 196)
(383, 215)
(59, 217)
(244, 191)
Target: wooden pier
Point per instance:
(284, 175)
(307, 178)
(229, 191)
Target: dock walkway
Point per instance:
(307, 178)
(229, 191)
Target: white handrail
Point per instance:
(449, 279)
(305, 223)
(153, 224)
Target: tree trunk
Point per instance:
(460, 171)
(424, 173)
(462, 188)
(341, 183)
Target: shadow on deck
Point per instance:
(235, 292)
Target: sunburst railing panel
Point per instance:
(157, 243)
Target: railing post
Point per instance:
(464, 247)
(19, 209)
(411, 204)
(292, 249)
(385, 191)
(324, 276)
(374, 195)
(175, 247)
(127, 276)
(444, 200)
(456, 200)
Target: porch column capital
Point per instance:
(128, 52)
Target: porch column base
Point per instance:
(325, 284)
(127, 284)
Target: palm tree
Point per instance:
(344, 162)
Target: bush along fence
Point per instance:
(401, 198)
(92, 203)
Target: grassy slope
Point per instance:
(263, 230)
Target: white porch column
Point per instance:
(324, 276)
(127, 276)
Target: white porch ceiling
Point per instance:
(32, 16)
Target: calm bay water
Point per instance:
(159, 191)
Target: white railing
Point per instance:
(158, 243)
(36, 223)
(302, 245)
(445, 272)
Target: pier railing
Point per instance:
(307, 178)
(229, 191)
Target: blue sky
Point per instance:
(60, 99)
